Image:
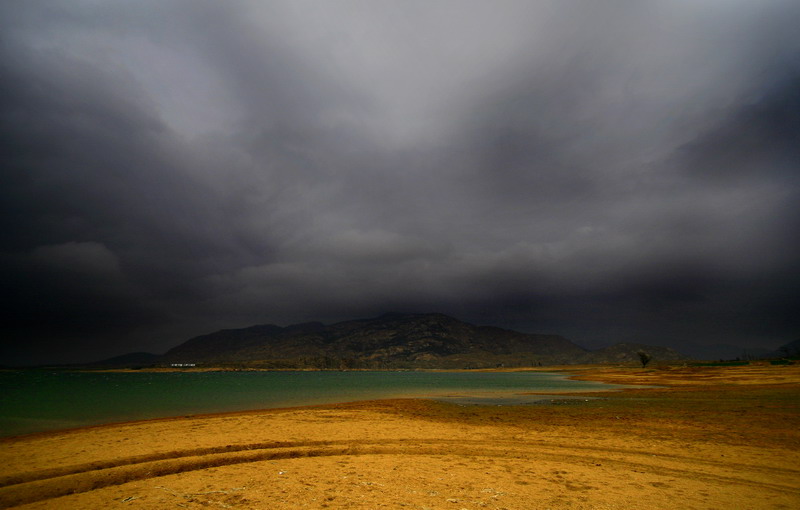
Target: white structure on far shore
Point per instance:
(182, 365)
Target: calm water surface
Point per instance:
(34, 401)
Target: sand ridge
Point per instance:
(731, 443)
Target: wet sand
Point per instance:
(708, 437)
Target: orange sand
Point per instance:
(708, 438)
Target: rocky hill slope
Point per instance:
(393, 341)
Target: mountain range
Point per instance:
(392, 340)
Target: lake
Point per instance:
(36, 401)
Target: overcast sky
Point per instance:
(606, 170)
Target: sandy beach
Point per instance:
(705, 438)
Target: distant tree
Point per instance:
(644, 358)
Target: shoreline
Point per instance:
(211, 368)
(627, 377)
(488, 396)
(719, 437)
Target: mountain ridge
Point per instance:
(394, 340)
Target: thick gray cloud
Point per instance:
(606, 170)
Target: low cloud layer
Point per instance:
(610, 171)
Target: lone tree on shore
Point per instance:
(644, 358)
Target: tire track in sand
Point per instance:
(53, 483)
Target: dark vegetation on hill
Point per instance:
(394, 341)
(790, 350)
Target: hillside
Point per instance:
(128, 360)
(393, 341)
(628, 352)
(789, 350)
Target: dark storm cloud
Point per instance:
(607, 170)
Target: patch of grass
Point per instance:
(767, 415)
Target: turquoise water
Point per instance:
(35, 401)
